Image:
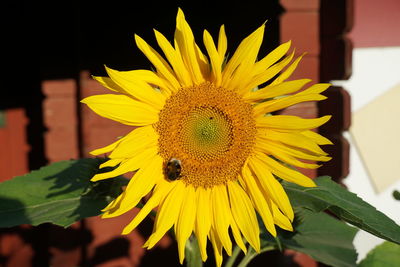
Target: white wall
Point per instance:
(375, 70)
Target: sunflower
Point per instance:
(206, 149)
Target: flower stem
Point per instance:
(232, 259)
(192, 253)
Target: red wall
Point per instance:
(376, 23)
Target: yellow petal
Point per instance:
(259, 200)
(216, 62)
(270, 185)
(203, 63)
(221, 215)
(289, 123)
(217, 246)
(286, 74)
(222, 43)
(109, 84)
(284, 157)
(293, 139)
(271, 58)
(266, 75)
(241, 180)
(123, 109)
(238, 237)
(151, 171)
(150, 78)
(286, 173)
(276, 90)
(113, 204)
(275, 148)
(159, 63)
(146, 76)
(185, 223)
(243, 58)
(167, 214)
(242, 74)
(154, 201)
(244, 214)
(280, 219)
(135, 142)
(130, 143)
(203, 219)
(174, 59)
(129, 165)
(106, 149)
(133, 84)
(124, 167)
(317, 138)
(315, 89)
(110, 163)
(140, 185)
(187, 46)
(281, 103)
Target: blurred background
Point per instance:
(51, 49)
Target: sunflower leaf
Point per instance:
(347, 206)
(386, 254)
(320, 236)
(60, 193)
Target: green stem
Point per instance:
(232, 259)
(251, 254)
(192, 253)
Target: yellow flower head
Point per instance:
(205, 146)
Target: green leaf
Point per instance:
(60, 193)
(384, 255)
(320, 236)
(396, 194)
(345, 205)
(192, 253)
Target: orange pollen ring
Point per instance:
(211, 130)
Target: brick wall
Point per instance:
(319, 27)
(60, 119)
(14, 147)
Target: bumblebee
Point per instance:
(173, 169)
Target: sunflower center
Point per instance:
(206, 133)
(211, 130)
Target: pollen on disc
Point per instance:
(210, 129)
(206, 133)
